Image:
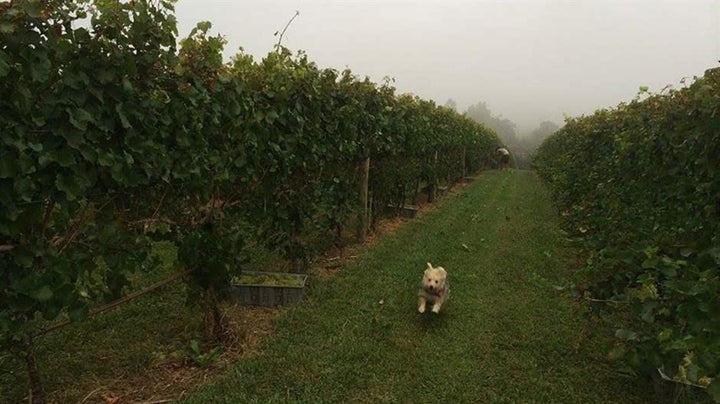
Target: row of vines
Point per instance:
(640, 186)
(113, 137)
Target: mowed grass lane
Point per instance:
(506, 335)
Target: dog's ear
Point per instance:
(429, 265)
(442, 271)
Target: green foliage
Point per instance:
(211, 257)
(203, 359)
(640, 186)
(110, 137)
(501, 338)
(71, 154)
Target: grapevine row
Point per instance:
(111, 137)
(640, 186)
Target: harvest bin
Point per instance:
(407, 211)
(263, 289)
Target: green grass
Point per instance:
(506, 334)
(113, 346)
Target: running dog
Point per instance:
(434, 289)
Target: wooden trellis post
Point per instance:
(364, 215)
(433, 182)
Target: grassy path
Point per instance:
(506, 334)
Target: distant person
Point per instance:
(503, 157)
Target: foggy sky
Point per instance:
(529, 60)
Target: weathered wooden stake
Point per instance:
(37, 396)
(364, 214)
(433, 181)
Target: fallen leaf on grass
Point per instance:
(110, 399)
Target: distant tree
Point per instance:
(480, 112)
(504, 128)
(536, 137)
(545, 129)
(540, 133)
(521, 149)
(450, 103)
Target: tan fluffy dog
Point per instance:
(434, 289)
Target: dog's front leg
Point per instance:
(421, 304)
(438, 304)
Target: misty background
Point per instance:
(518, 66)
